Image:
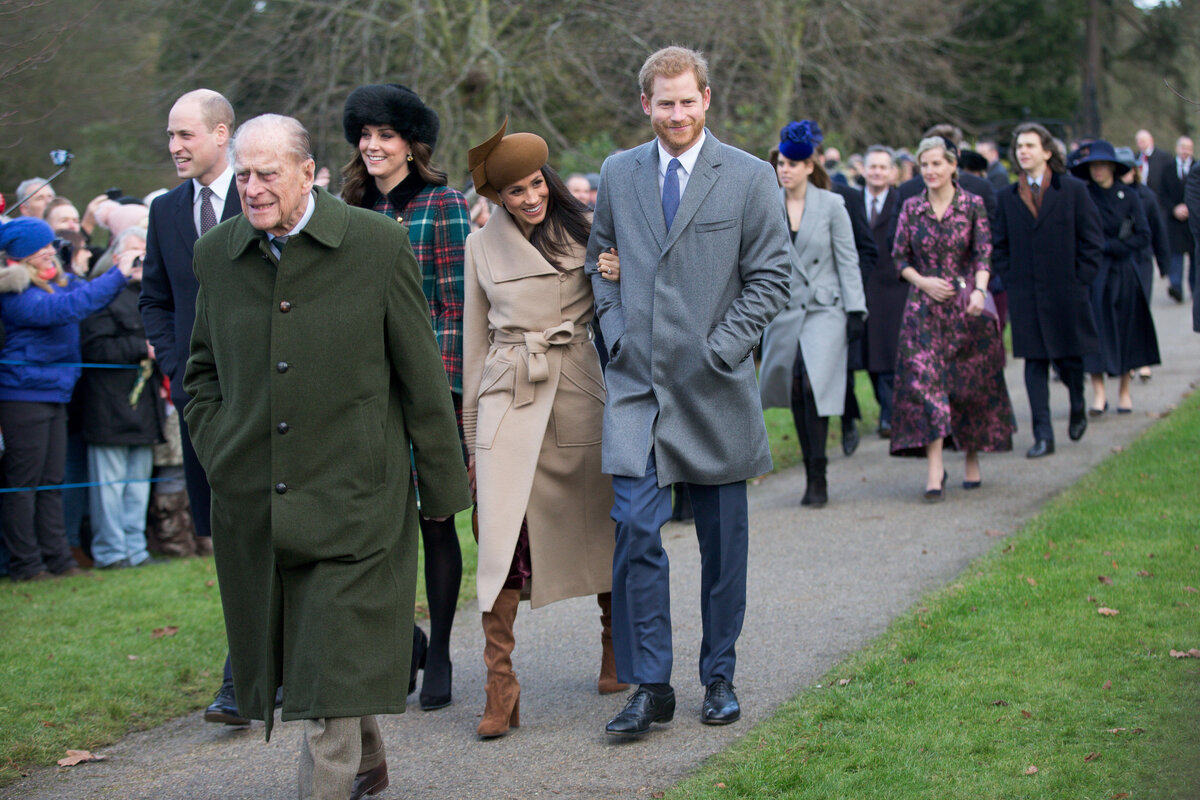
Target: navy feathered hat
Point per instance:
(1097, 150)
(393, 105)
(798, 140)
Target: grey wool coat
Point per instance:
(533, 404)
(310, 379)
(826, 285)
(688, 311)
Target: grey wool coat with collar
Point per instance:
(688, 311)
(826, 285)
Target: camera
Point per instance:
(114, 193)
(61, 158)
(137, 262)
(65, 251)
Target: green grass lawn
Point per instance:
(1014, 667)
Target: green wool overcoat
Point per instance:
(310, 378)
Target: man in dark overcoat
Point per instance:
(1170, 194)
(1046, 245)
(1191, 197)
(314, 373)
(704, 267)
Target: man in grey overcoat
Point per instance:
(704, 268)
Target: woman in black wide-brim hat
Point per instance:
(394, 134)
(1127, 337)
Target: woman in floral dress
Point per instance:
(950, 366)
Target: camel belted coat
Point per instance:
(533, 407)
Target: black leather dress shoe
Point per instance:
(885, 430)
(850, 439)
(720, 704)
(1078, 425)
(1042, 447)
(223, 708)
(373, 781)
(644, 708)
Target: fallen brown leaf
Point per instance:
(1026, 714)
(1107, 685)
(1091, 757)
(132, 658)
(78, 757)
(1108, 612)
(1189, 589)
(999, 703)
(1107, 581)
(1031, 770)
(1031, 581)
(1143, 573)
(1138, 730)
(1091, 599)
(1120, 796)
(846, 681)
(658, 795)
(1180, 654)
(170, 630)
(1116, 730)
(720, 785)
(210, 584)
(993, 532)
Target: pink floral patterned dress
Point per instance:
(950, 366)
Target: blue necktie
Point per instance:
(670, 198)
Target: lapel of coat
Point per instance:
(700, 182)
(508, 255)
(645, 186)
(184, 221)
(814, 213)
(233, 203)
(1050, 199)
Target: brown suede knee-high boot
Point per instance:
(608, 683)
(503, 709)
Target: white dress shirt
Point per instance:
(687, 163)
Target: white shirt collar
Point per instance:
(687, 160)
(308, 212)
(220, 188)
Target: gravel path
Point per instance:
(822, 584)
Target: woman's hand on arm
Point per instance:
(610, 265)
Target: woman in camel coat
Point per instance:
(533, 403)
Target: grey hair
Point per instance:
(932, 143)
(881, 148)
(298, 144)
(27, 187)
(118, 246)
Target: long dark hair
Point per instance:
(566, 221)
(1058, 161)
(355, 176)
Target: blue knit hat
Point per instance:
(24, 236)
(799, 139)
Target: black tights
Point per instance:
(811, 428)
(443, 576)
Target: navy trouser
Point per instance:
(1037, 386)
(641, 576)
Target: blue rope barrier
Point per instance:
(76, 485)
(14, 363)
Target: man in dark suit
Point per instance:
(886, 291)
(198, 131)
(1170, 194)
(997, 175)
(1047, 245)
(1153, 163)
(1191, 198)
(704, 267)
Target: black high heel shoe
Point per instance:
(434, 696)
(420, 648)
(939, 494)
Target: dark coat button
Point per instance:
(281, 488)
(282, 366)
(285, 306)
(282, 427)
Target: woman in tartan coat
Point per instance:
(391, 172)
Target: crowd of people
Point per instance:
(254, 361)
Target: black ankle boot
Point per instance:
(817, 492)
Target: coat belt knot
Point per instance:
(534, 368)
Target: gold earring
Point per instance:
(410, 156)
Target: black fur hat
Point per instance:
(389, 104)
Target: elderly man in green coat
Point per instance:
(313, 370)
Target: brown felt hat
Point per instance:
(503, 160)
